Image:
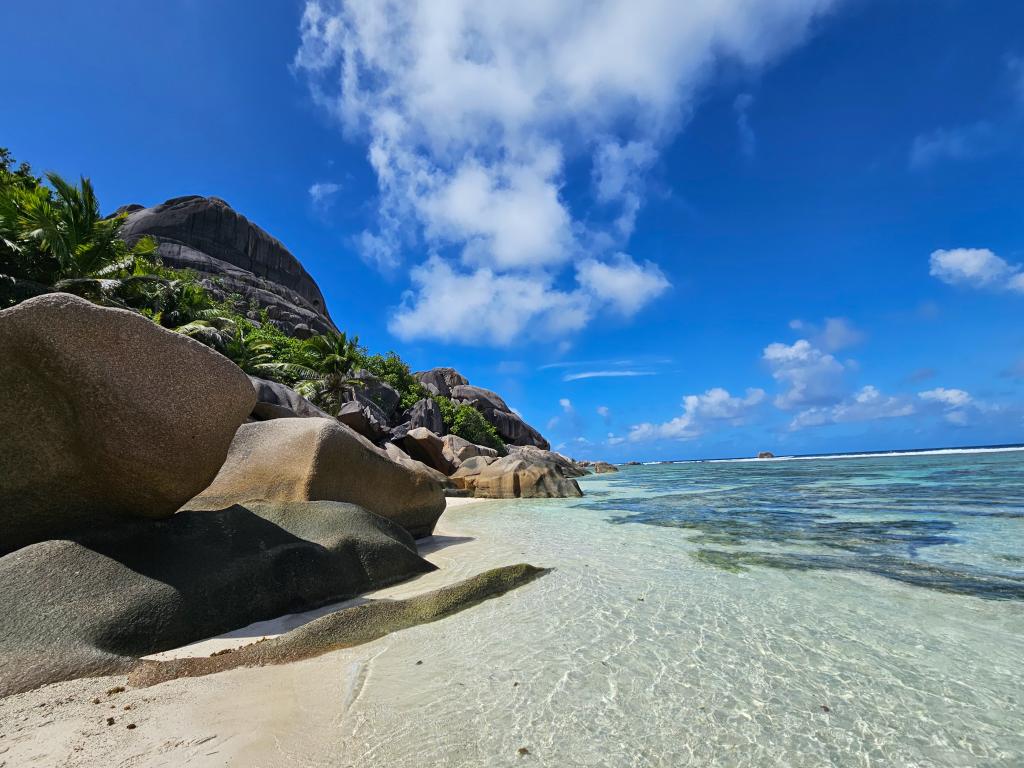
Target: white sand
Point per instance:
(269, 716)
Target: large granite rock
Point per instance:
(380, 393)
(365, 418)
(426, 413)
(206, 235)
(423, 445)
(441, 380)
(105, 416)
(604, 468)
(533, 454)
(399, 456)
(514, 477)
(277, 401)
(458, 449)
(90, 605)
(512, 429)
(321, 459)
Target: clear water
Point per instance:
(854, 612)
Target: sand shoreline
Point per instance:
(282, 715)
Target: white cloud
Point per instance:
(976, 268)
(866, 405)
(951, 398)
(605, 375)
(482, 307)
(322, 192)
(566, 404)
(700, 412)
(473, 108)
(836, 333)
(622, 283)
(813, 377)
(604, 412)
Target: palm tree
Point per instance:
(60, 234)
(256, 358)
(326, 373)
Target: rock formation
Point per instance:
(423, 445)
(106, 416)
(514, 477)
(439, 381)
(603, 467)
(766, 455)
(276, 401)
(235, 256)
(321, 459)
(90, 605)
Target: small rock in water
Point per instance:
(523, 751)
(824, 708)
(419, 662)
(515, 683)
(130, 726)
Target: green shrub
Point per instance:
(467, 422)
(392, 369)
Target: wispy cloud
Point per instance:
(604, 375)
(322, 193)
(748, 141)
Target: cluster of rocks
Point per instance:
(234, 257)
(152, 494)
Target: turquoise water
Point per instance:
(846, 612)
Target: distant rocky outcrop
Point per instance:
(105, 417)
(766, 455)
(321, 459)
(514, 477)
(91, 604)
(603, 467)
(207, 235)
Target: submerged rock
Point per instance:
(321, 459)
(91, 605)
(106, 416)
(346, 628)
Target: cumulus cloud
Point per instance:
(566, 404)
(867, 404)
(976, 268)
(604, 412)
(700, 412)
(482, 306)
(834, 334)
(473, 109)
(812, 377)
(955, 403)
(622, 283)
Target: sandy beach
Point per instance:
(269, 716)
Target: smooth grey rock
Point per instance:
(106, 416)
(206, 235)
(380, 393)
(277, 401)
(532, 454)
(426, 413)
(89, 606)
(514, 477)
(441, 380)
(366, 419)
(510, 427)
(603, 468)
(399, 456)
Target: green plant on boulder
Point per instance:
(393, 370)
(467, 422)
(325, 368)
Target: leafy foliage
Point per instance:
(468, 423)
(324, 369)
(393, 370)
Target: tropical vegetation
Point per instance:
(54, 237)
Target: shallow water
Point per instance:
(858, 612)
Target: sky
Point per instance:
(659, 230)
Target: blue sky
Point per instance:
(787, 225)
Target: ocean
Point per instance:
(862, 611)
